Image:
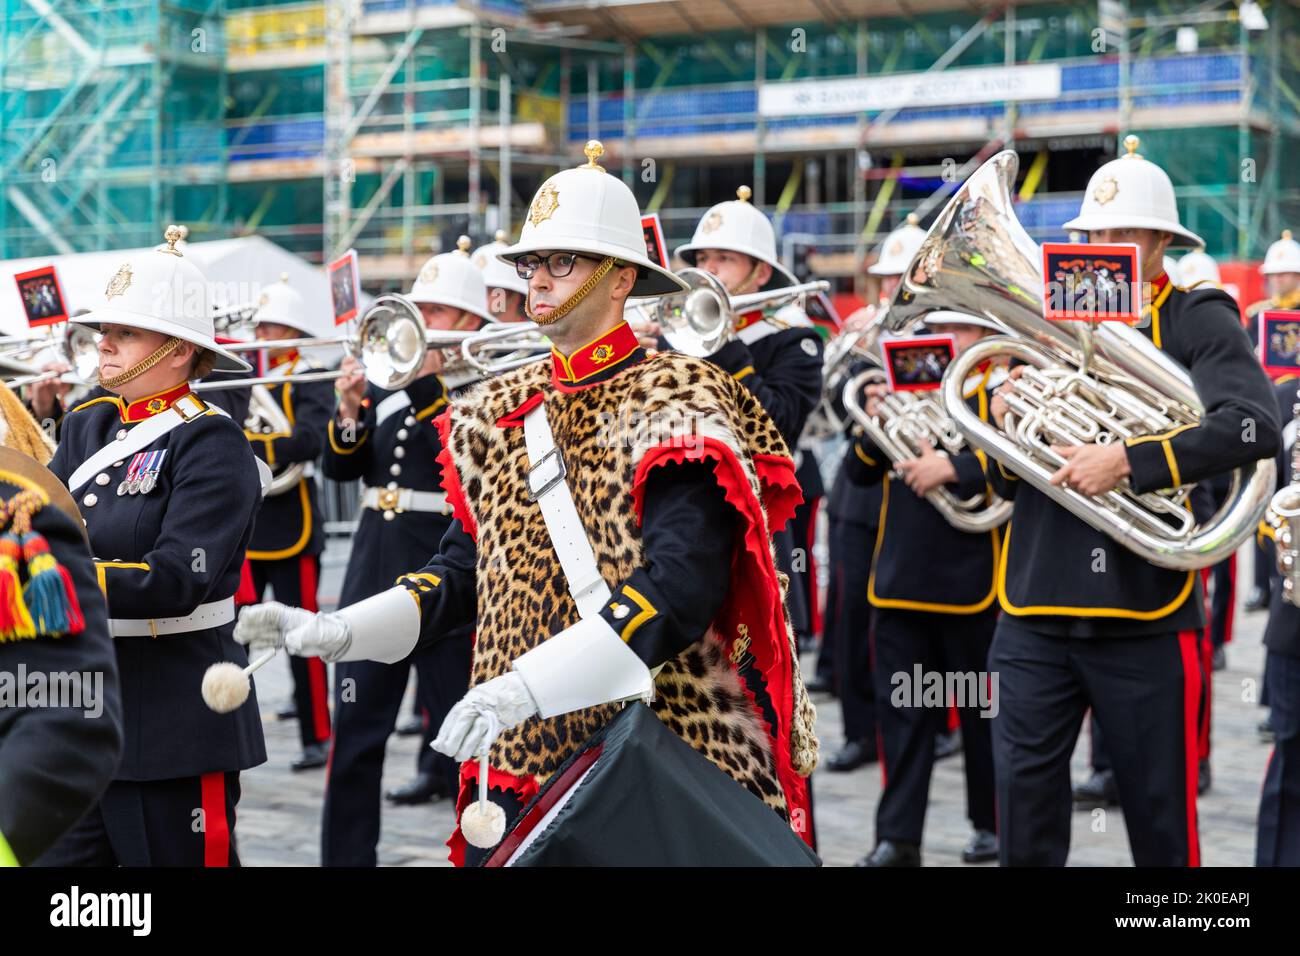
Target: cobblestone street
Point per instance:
(279, 813)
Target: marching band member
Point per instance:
(931, 617)
(612, 517)
(168, 487)
(387, 439)
(854, 518)
(1277, 840)
(507, 294)
(57, 757)
(1087, 622)
(777, 355)
(289, 535)
(1281, 270)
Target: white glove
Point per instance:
(272, 626)
(472, 725)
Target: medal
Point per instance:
(147, 483)
(121, 487)
(142, 474)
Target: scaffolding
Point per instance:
(392, 126)
(113, 125)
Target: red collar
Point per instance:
(598, 355)
(1158, 284)
(151, 405)
(291, 355)
(746, 319)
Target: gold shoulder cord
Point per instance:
(565, 307)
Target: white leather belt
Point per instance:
(405, 499)
(212, 614)
(547, 487)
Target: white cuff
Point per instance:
(384, 628)
(582, 666)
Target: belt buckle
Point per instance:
(560, 474)
(388, 499)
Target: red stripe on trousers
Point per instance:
(1187, 646)
(814, 605)
(216, 829)
(316, 674)
(1207, 698)
(1232, 599)
(247, 593)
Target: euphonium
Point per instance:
(1284, 518)
(907, 420)
(1083, 384)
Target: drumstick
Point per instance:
(483, 823)
(226, 685)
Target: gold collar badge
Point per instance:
(120, 282)
(602, 353)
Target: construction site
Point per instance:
(393, 126)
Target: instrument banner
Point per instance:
(1279, 341)
(345, 287)
(655, 247)
(1093, 282)
(916, 363)
(42, 296)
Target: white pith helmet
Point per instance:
(162, 291)
(1132, 193)
(451, 279)
(496, 274)
(585, 210)
(738, 226)
(1198, 266)
(899, 249)
(1282, 256)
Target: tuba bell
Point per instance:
(1083, 384)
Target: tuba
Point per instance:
(1082, 384)
(906, 421)
(265, 416)
(1284, 518)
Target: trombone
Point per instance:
(392, 343)
(77, 346)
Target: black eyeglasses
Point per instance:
(558, 264)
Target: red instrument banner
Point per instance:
(1092, 282)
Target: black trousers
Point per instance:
(848, 626)
(937, 644)
(189, 821)
(1145, 692)
(368, 698)
(1278, 836)
(293, 581)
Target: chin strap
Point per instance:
(748, 282)
(142, 366)
(567, 306)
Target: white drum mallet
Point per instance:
(226, 685)
(483, 822)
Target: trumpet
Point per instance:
(1283, 517)
(905, 423)
(77, 346)
(1083, 384)
(702, 319)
